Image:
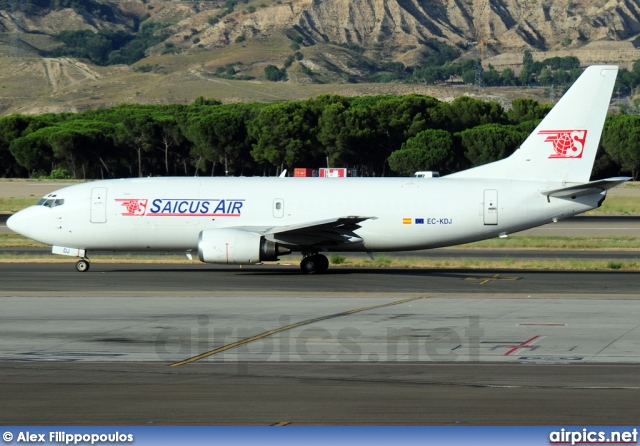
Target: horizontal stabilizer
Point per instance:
(594, 187)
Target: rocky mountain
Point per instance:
(317, 41)
(394, 29)
(401, 26)
(400, 30)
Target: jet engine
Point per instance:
(237, 246)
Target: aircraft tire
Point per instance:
(82, 266)
(308, 265)
(315, 264)
(323, 263)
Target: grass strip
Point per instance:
(13, 205)
(558, 242)
(18, 241)
(618, 205)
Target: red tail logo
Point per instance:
(566, 143)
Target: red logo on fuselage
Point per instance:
(566, 143)
(133, 206)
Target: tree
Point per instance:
(171, 139)
(469, 76)
(492, 77)
(273, 74)
(469, 112)
(523, 109)
(289, 61)
(78, 144)
(527, 59)
(546, 77)
(201, 100)
(562, 63)
(490, 142)
(508, 77)
(200, 131)
(620, 140)
(347, 131)
(402, 117)
(525, 76)
(284, 136)
(33, 153)
(11, 128)
(66, 145)
(231, 137)
(140, 132)
(428, 150)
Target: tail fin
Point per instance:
(563, 147)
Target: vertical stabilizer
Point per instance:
(563, 147)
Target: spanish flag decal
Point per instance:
(406, 221)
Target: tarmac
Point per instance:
(131, 344)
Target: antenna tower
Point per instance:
(17, 8)
(478, 57)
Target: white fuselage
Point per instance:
(406, 213)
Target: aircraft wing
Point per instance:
(329, 232)
(593, 187)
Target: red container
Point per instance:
(304, 172)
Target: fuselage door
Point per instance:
(99, 205)
(278, 208)
(490, 207)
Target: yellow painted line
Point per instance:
(485, 280)
(281, 423)
(289, 327)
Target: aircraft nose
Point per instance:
(19, 222)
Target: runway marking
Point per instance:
(524, 344)
(289, 327)
(281, 423)
(513, 346)
(485, 280)
(542, 325)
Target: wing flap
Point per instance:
(319, 233)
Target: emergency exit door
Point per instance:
(490, 207)
(99, 205)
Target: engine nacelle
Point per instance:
(236, 246)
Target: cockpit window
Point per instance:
(50, 202)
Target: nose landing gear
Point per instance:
(314, 263)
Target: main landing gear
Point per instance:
(83, 265)
(314, 263)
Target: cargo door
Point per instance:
(99, 205)
(490, 207)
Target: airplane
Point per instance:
(243, 220)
